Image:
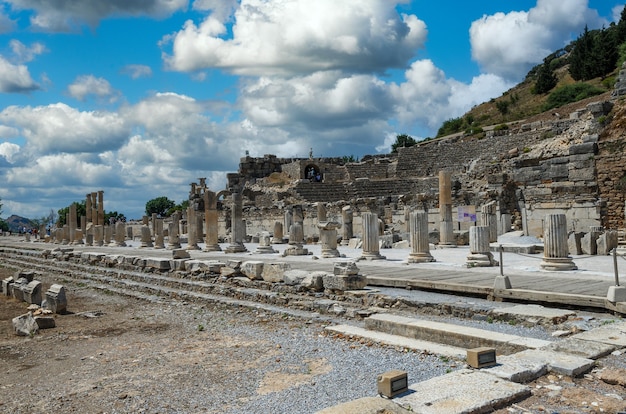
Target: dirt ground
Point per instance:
(106, 352)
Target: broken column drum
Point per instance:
(146, 237)
(555, 246)
(371, 238)
(480, 255)
(278, 233)
(489, 219)
(173, 236)
(418, 230)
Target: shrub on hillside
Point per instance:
(570, 93)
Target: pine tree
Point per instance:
(546, 79)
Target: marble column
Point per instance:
(192, 229)
(237, 228)
(347, 217)
(159, 239)
(288, 220)
(555, 246)
(278, 237)
(98, 235)
(489, 219)
(120, 234)
(146, 237)
(371, 237)
(173, 235)
(418, 230)
(88, 207)
(211, 239)
(108, 231)
(66, 232)
(101, 207)
(265, 245)
(446, 226)
(480, 255)
(72, 223)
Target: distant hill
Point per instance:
(16, 223)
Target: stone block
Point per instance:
(235, 264)
(294, 277)
(343, 283)
(274, 272)
(6, 285)
(252, 269)
(56, 301)
(227, 271)
(314, 281)
(180, 254)
(25, 325)
(17, 291)
(606, 242)
(45, 322)
(178, 264)
(29, 275)
(574, 242)
(354, 243)
(32, 292)
(345, 268)
(158, 263)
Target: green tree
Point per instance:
(402, 140)
(451, 126)
(81, 210)
(160, 206)
(546, 79)
(115, 215)
(581, 56)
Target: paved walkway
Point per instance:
(585, 287)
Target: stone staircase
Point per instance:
(323, 192)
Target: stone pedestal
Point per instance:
(265, 246)
(371, 237)
(56, 301)
(480, 255)
(345, 276)
(446, 227)
(418, 231)
(296, 239)
(555, 247)
(328, 238)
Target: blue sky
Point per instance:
(140, 98)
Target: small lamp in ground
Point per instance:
(392, 383)
(481, 357)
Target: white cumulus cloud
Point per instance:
(299, 37)
(510, 44)
(69, 15)
(86, 85)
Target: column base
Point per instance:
(212, 248)
(372, 256)
(420, 258)
(295, 250)
(265, 250)
(446, 245)
(481, 260)
(330, 253)
(236, 248)
(558, 264)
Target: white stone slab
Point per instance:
(515, 369)
(558, 362)
(461, 392)
(612, 334)
(582, 348)
(536, 311)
